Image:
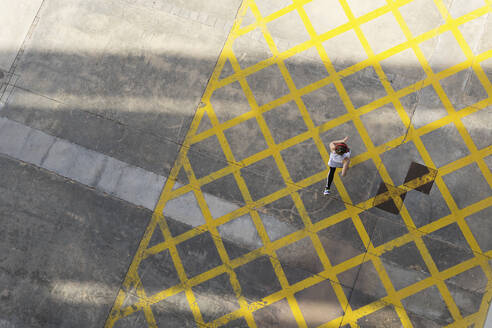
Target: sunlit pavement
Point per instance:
(228, 108)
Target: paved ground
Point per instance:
(228, 109)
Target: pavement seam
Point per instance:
(181, 143)
(20, 52)
(41, 163)
(182, 12)
(476, 156)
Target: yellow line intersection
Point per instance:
(374, 153)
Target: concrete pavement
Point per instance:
(228, 109)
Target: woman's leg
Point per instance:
(330, 177)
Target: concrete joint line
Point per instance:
(114, 177)
(7, 87)
(106, 174)
(199, 17)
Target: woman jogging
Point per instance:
(339, 157)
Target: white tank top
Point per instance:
(337, 160)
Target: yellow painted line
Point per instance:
(313, 133)
(244, 210)
(351, 318)
(304, 136)
(282, 168)
(467, 139)
(372, 153)
(424, 252)
(412, 42)
(157, 217)
(340, 267)
(220, 247)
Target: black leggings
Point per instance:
(330, 177)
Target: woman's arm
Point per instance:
(332, 144)
(345, 167)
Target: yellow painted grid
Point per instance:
(394, 297)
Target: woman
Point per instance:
(339, 157)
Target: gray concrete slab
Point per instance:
(288, 30)
(299, 260)
(85, 166)
(468, 295)
(157, 272)
(64, 264)
(248, 239)
(367, 286)
(378, 41)
(274, 229)
(319, 304)
(428, 18)
(257, 286)
(423, 106)
(133, 184)
(13, 136)
(247, 130)
(92, 131)
(251, 48)
(90, 72)
(383, 226)
(172, 311)
(139, 186)
(229, 101)
(405, 266)
(17, 18)
(345, 50)
(278, 313)
(442, 51)
(403, 69)
(302, 160)
(325, 15)
(445, 144)
(464, 89)
(363, 87)
(267, 85)
(36, 147)
(442, 239)
(476, 125)
(341, 242)
(464, 193)
(306, 68)
(262, 178)
(481, 227)
(316, 103)
(363, 182)
(218, 297)
(378, 125)
(61, 157)
(387, 315)
(433, 314)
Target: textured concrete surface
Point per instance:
(16, 17)
(61, 265)
(110, 109)
(120, 180)
(133, 71)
